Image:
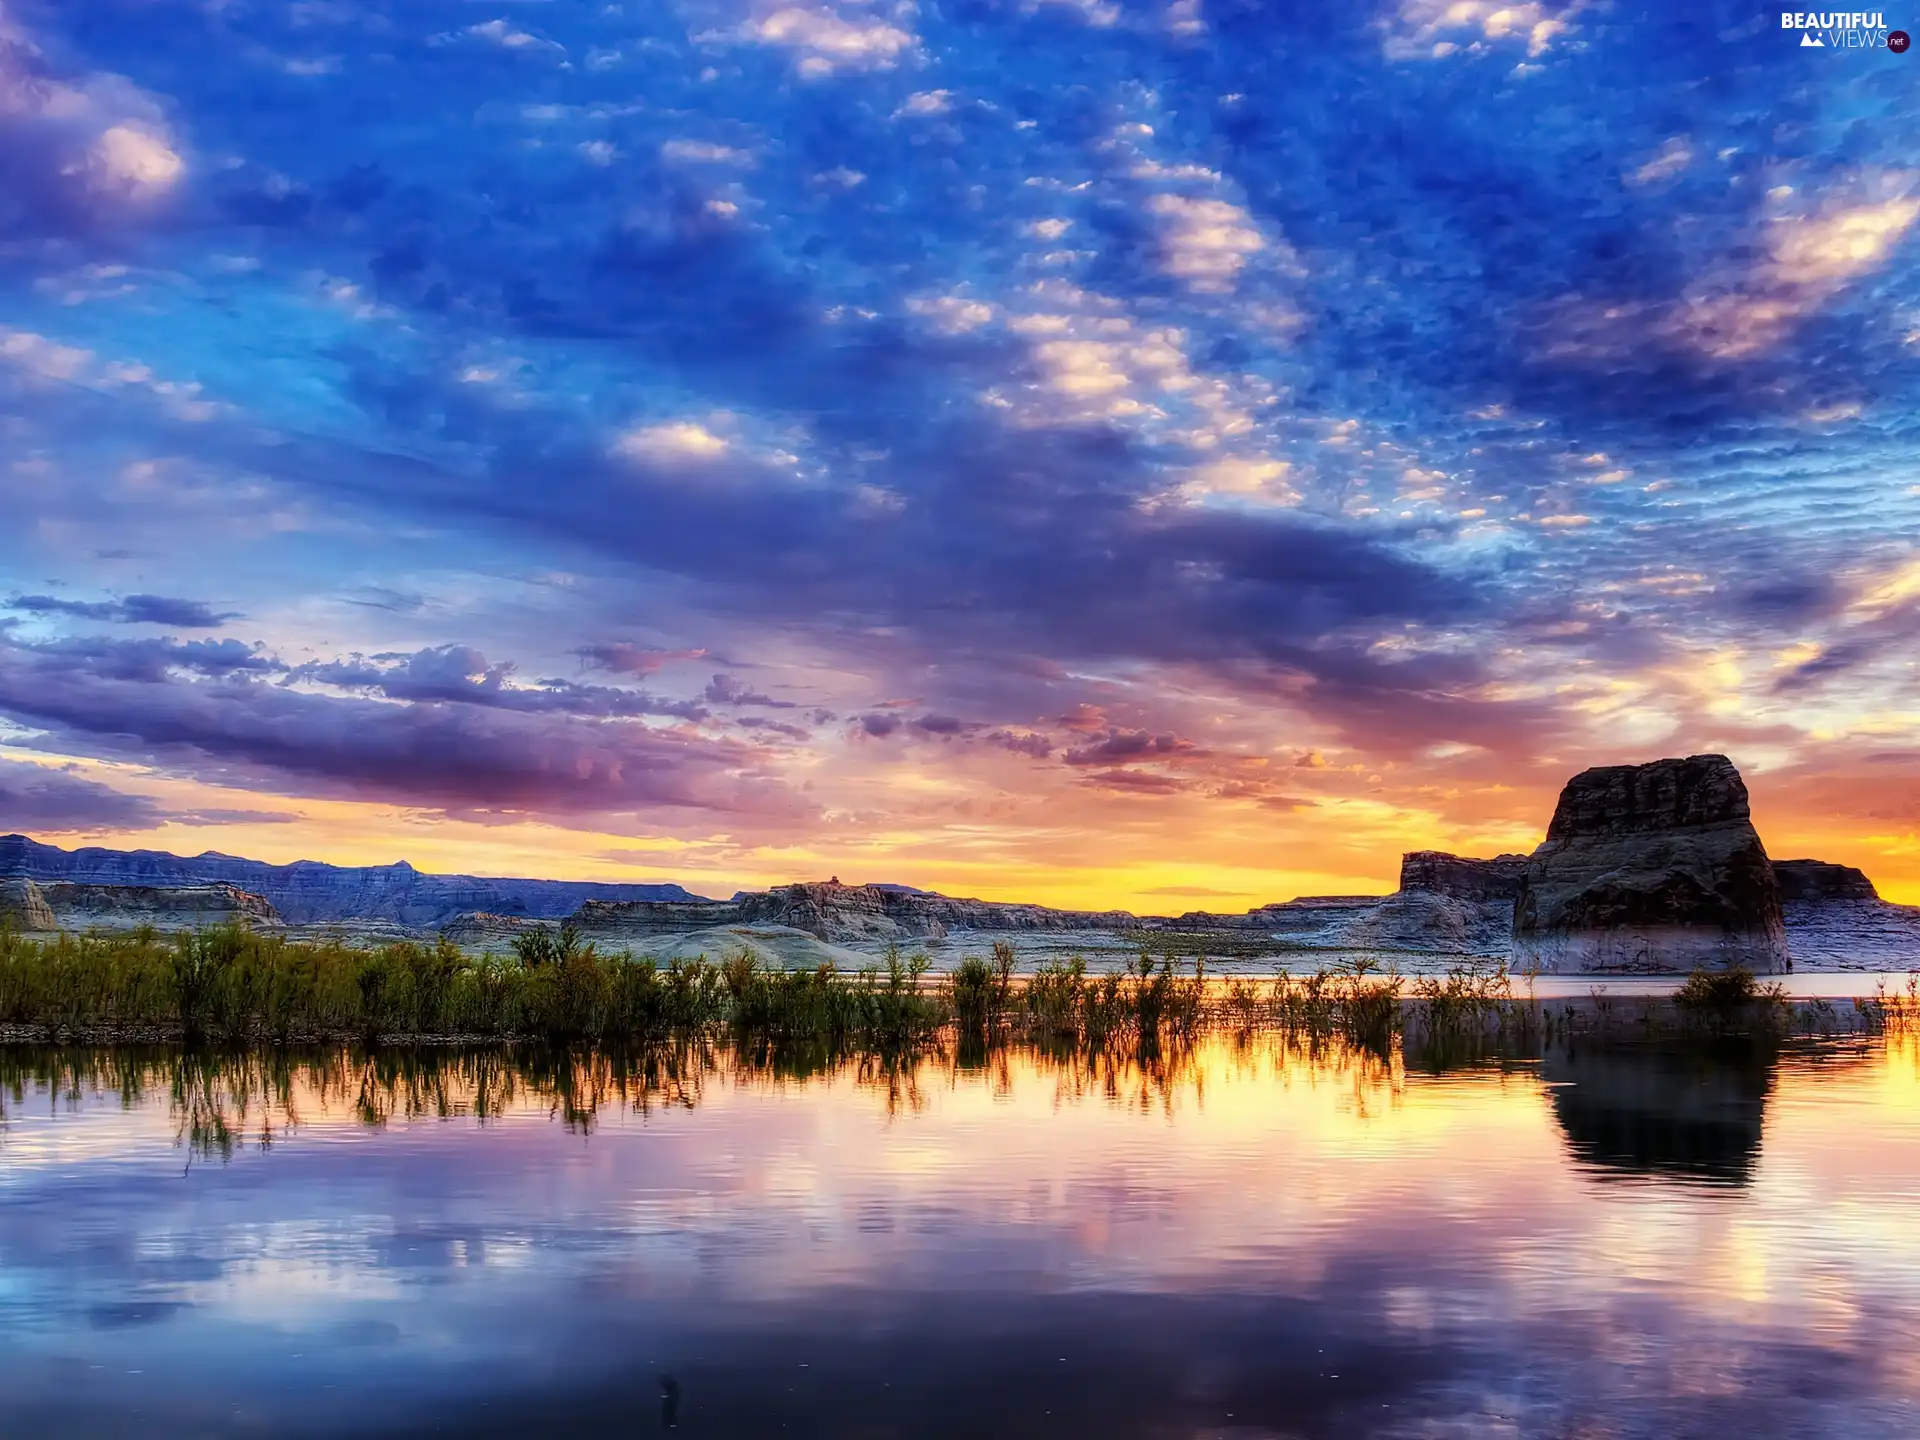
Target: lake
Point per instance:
(1245, 1239)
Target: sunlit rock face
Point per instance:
(1651, 868)
(831, 911)
(79, 906)
(23, 905)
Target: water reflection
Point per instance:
(1241, 1237)
(1688, 1112)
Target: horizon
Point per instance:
(1083, 453)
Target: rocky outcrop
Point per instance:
(78, 906)
(308, 892)
(1462, 878)
(1446, 905)
(1818, 881)
(828, 910)
(1651, 868)
(491, 934)
(23, 905)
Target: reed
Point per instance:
(232, 986)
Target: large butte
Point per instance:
(1651, 868)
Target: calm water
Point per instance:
(1245, 1242)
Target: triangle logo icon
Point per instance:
(1808, 41)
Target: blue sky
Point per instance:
(1091, 451)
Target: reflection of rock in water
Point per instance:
(669, 1402)
(1689, 1112)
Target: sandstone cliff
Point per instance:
(77, 906)
(829, 910)
(23, 905)
(1461, 877)
(1651, 868)
(1446, 905)
(1816, 881)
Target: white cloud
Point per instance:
(825, 42)
(510, 37)
(1245, 476)
(137, 158)
(676, 440)
(38, 355)
(1204, 242)
(1807, 257)
(1423, 29)
(703, 152)
(926, 102)
(1671, 159)
(951, 314)
(1183, 18)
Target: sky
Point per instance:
(1170, 455)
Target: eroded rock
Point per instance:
(23, 905)
(1651, 868)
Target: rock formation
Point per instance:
(1446, 905)
(1836, 919)
(1651, 868)
(491, 934)
(23, 905)
(78, 906)
(307, 892)
(1817, 881)
(828, 910)
(1462, 878)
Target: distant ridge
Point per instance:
(312, 892)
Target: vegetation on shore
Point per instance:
(229, 985)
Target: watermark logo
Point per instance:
(1842, 30)
(1898, 41)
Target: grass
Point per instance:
(231, 986)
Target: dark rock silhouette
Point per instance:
(1462, 878)
(1693, 1113)
(1817, 881)
(1651, 868)
(669, 1402)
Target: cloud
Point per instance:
(623, 658)
(133, 610)
(152, 660)
(460, 674)
(82, 154)
(704, 152)
(46, 799)
(824, 41)
(678, 440)
(1124, 746)
(215, 819)
(472, 759)
(726, 690)
(1206, 243)
(1022, 742)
